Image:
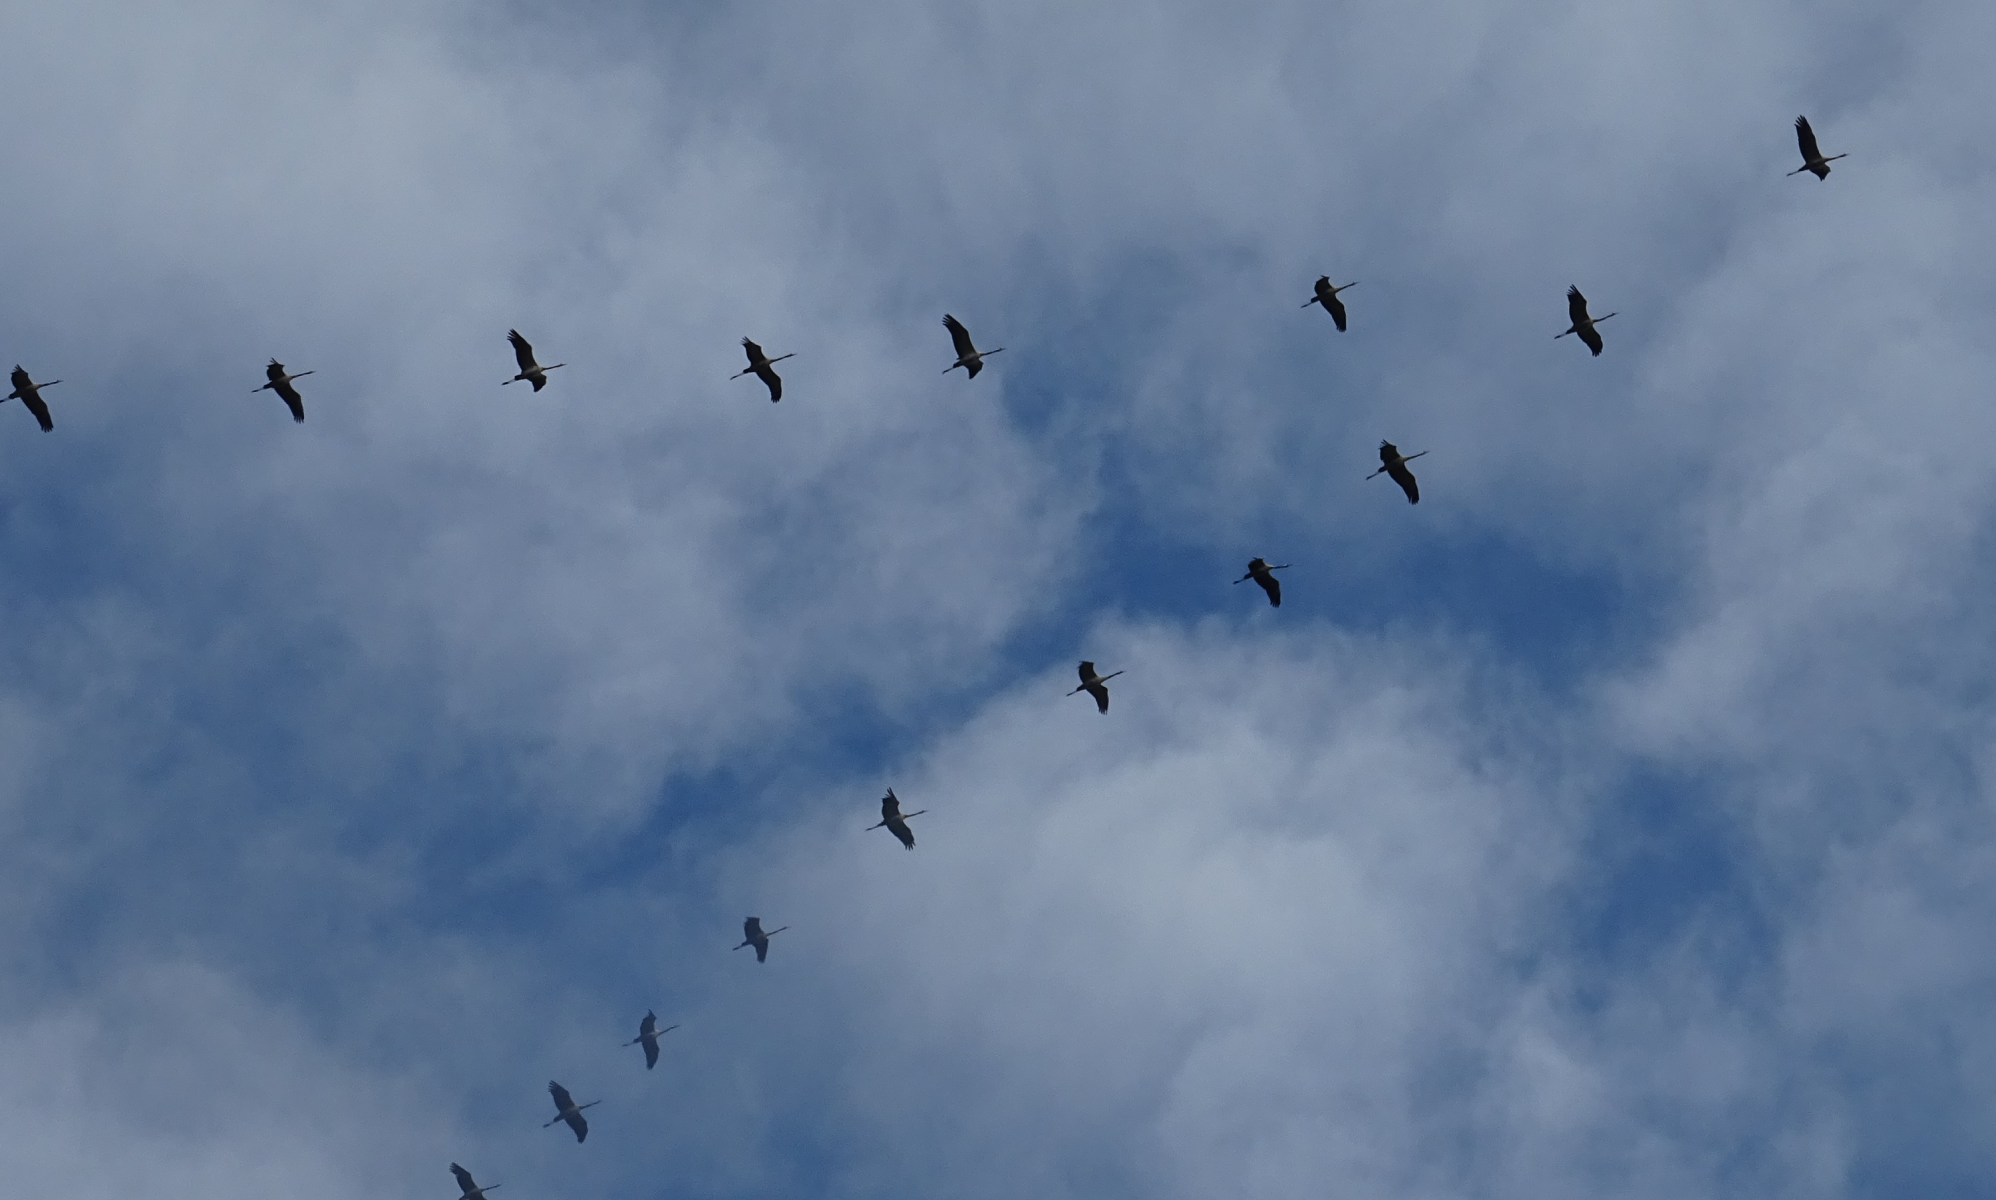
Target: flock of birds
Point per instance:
(1393, 464)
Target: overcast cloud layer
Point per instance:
(1615, 822)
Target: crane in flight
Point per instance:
(1264, 575)
(281, 384)
(29, 393)
(752, 935)
(1812, 158)
(1583, 325)
(1327, 295)
(759, 366)
(968, 356)
(648, 1035)
(470, 1188)
(1096, 685)
(894, 820)
(1394, 465)
(566, 1109)
(530, 371)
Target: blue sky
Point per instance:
(1616, 821)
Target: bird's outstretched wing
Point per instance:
(523, 350)
(1101, 693)
(1087, 671)
(959, 336)
(1592, 337)
(1576, 306)
(561, 1097)
(753, 351)
(464, 1181)
(274, 372)
(1405, 478)
(19, 378)
(41, 411)
(1337, 308)
(1805, 137)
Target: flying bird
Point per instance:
(759, 366)
(281, 384)
(1583, 325)
(648, 1035)
(1096, 685)
(1812, 158)
(968, 356)
(471, 1189)
(1327, 296)
(752, 935)
(566, 1109)
(1263, 574)
(1394, 464)
(895, 820)
(29, 393)
(530, 371)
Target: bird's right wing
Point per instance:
(561, 1097)
(958, 336)
(523, 350)
(1087, 671)
(1576, 305)
(40, 410)
(464, 1180)
(1805, 137)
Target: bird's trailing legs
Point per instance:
(1406, 459)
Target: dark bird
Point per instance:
(895, 820)
(648, 1035)
(1096, 685)
(1328, 297)
(752, 935)
(1583, 325)
(281, 384)
(759, 366)
(29, 393)
(1812, 158)
(968, 356)
(1394, 464)
(1263, 574)
(566, 1109)
(531, 371)
(471, 1190)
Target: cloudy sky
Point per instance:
(1618, 821)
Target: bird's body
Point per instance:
(567, 1110)
(1393, 464)
(1096, 685)
(1583, 325)
(895, 821)
(752, 935)
(1327, 295)
(759, 366)
(648, 1035)
(280, 383)
(1264, 576)
(968, 356)
(1812, 158)
(530, 371)
(29, 393)
(465, 1183)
